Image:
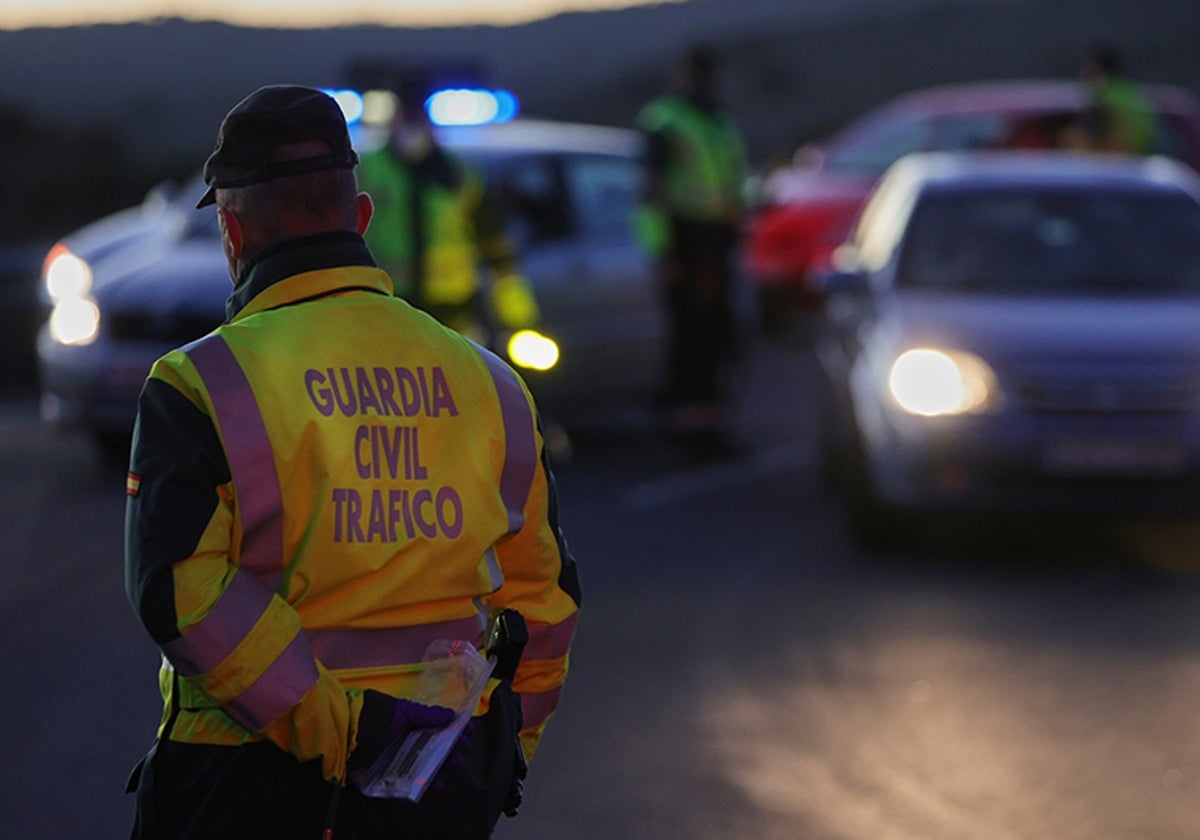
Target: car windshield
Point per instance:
(1101, 241)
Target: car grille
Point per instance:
(1112, 396)
(174, 329)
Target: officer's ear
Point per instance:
(231, 232)
(364, 211)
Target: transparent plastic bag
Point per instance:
(454, 676)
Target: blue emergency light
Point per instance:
(470, 106)
(350, 101)
(458, 106)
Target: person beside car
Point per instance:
(1121, 118)
(319, 489)
(435, 224)
(689, 223)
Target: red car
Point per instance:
(810, 205)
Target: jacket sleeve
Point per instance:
(541, 581)
(232, 641)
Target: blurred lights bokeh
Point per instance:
(932, 382)
(470, 106)
(379, 107)
(448, 107)
(75, 318)
(530, 349)
(66, 275)
(351, 103)
(75, 321)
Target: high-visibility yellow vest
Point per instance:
(385, 488)
(706, 168)
(447, 274)
(451, 242)
(1132, 123)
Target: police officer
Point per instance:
(435, 224)
(319, 489)
(1121, 117)
(689, 223)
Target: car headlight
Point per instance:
(66, 275)
(932, 383)
(531, 349)
(75, 321)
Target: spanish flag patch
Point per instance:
(133, 483)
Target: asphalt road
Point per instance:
(742, 669)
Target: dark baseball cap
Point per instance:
(271, 117)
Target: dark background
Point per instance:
(93, 117)
(1039, 685)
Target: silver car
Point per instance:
(126, 289)
(1016, 331)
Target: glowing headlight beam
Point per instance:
(530, 349)
(66, 275)
(932, 383)
(75, 321)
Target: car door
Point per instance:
(570, 216)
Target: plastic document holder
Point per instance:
(454, 676)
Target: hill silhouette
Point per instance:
(92, 117)
(152, 94)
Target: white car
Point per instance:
(126, 289)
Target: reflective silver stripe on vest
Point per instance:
(550, 641)
(546, 641)
(206, 644)
(280, 687)
(537, 708)
(251, 460)
(520, 443)
(260, 505)
(340, 649)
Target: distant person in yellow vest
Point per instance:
(1121, 117)
(325, 492)
(435, 225)
(689, 222)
